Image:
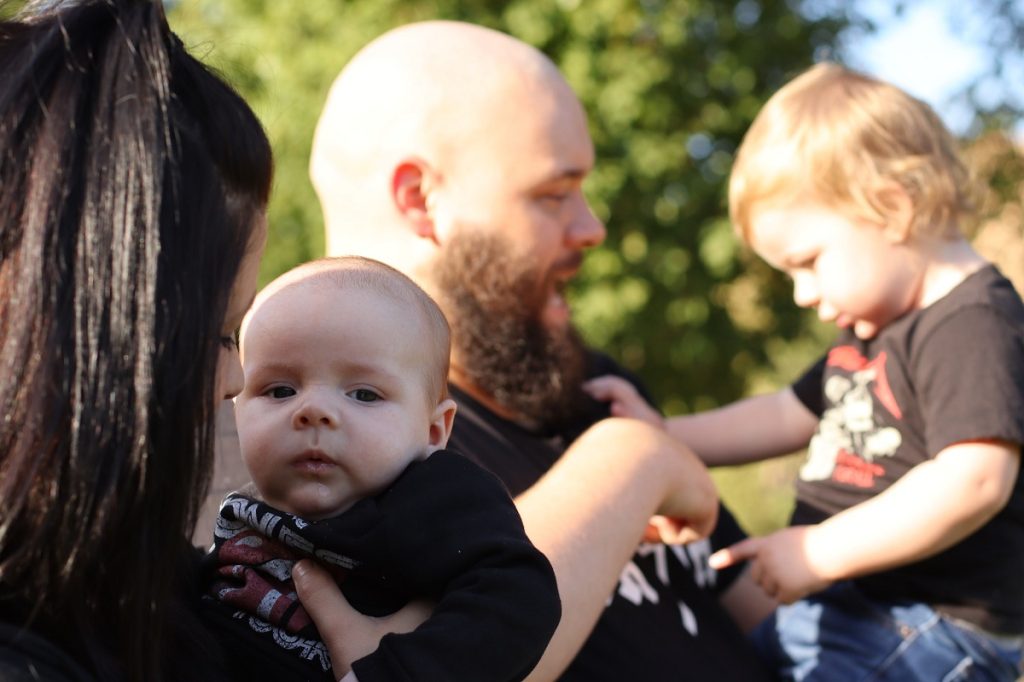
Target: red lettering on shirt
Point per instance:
(856, 471)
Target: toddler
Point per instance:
(342, 423)
(905, 558)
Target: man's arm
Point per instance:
(588, 513)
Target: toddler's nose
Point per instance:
(805, 290)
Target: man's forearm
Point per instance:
(589, 512)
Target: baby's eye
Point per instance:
(281, 392)
(364, 395)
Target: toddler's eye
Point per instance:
(364, 395)
(280, 392)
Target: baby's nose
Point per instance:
(314, 411)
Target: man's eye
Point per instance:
(364, 395)
(280, 392)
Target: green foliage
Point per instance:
(670, 87)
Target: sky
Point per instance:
(926, 52)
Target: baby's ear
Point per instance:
(441, 424)
(898, 209)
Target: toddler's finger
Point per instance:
(731, 556)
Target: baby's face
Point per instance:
(335, 402)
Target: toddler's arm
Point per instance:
(932, 507)
(749, 430)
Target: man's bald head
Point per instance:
(434, 93)
(457, 155)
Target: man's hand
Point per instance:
(348, 634)
(781, 563)
(624, 399)
(672, 531)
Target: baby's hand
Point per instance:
(780, 563)
(624, 399)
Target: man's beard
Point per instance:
(494, 304)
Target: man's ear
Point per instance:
(412, 182)
(441, 424)
(898, 208)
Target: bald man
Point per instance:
(457, 154)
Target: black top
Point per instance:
(663, 621)
(445, 530)
(26, 657)
(47, 648)
(948, 373)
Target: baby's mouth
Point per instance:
(313, 461)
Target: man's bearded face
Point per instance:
(494, 303)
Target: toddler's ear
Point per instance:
(898, 208)
(441, 424)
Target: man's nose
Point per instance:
(586, 229)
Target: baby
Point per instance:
(342, 423)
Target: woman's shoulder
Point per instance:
(27, 657)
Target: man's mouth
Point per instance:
(556, 309)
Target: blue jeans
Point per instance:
(840, 635)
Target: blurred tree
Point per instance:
(998, 164)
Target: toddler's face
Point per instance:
(852, 271)
(335, 401)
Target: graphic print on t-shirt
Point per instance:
(635, 588)
(849, 442)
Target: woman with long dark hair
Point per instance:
(133, 184)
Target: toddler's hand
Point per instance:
(624, 399)
(781, 563)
